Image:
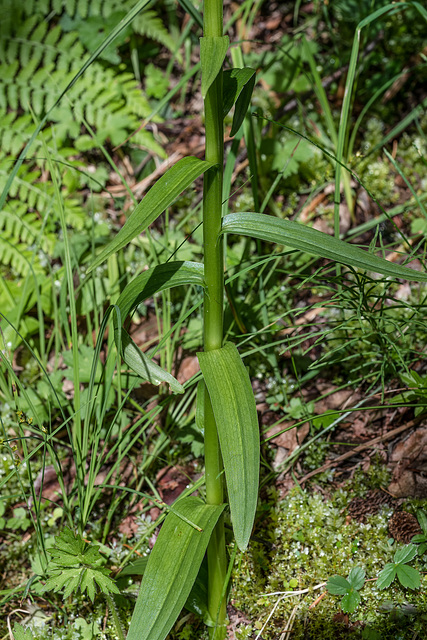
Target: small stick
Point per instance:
(366, 445)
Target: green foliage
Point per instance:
(348, 588)
(407, 576)
(20, 633)
(421, 538)
(76, 565)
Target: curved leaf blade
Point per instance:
(159, 278)
(161, 195)
(212, 53)
(172, 569)
(143, 365)
(233, 405)
(242, 104)
(234, 81)
(298, 236)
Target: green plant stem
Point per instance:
(115, 616)
(213, 317)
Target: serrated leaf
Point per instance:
(144, 366)
(172, 568)
(234, 408)
(338, 585)
(386, 576)
(422, 548)
(161, 195)
(212, 53)
(75, 565)
(20, 633)
(406, 554)
(422, 520)
(298, 236)
(233, 83)
(408, 576)
(356, 577)
(350, 601)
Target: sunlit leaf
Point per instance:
(212, 53)
(233, 405)
(161, 195)
(172, 569)
(298, 236)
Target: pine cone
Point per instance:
(359, 508)
(403, 526)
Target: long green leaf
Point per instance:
(212, 54)
(172, 569)
(298, 236)
(159, 278)
(161, 195)
(233, 404)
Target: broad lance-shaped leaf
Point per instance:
(233, 405)
(298, 236)
(172, 569)
(159, 278)
(161, 195)
(212, 53)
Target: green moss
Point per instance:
(312, 540)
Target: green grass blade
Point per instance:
(233, 404)
(161, 195)
(172, 569)
(313, 242)
(212, 53)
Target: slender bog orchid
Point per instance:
(195, 529)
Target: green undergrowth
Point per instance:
(307, 540)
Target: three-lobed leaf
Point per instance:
(407, 576)
(298, 236)
(161, 195)
(172, 568)
(76, 565)
(233, 404)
